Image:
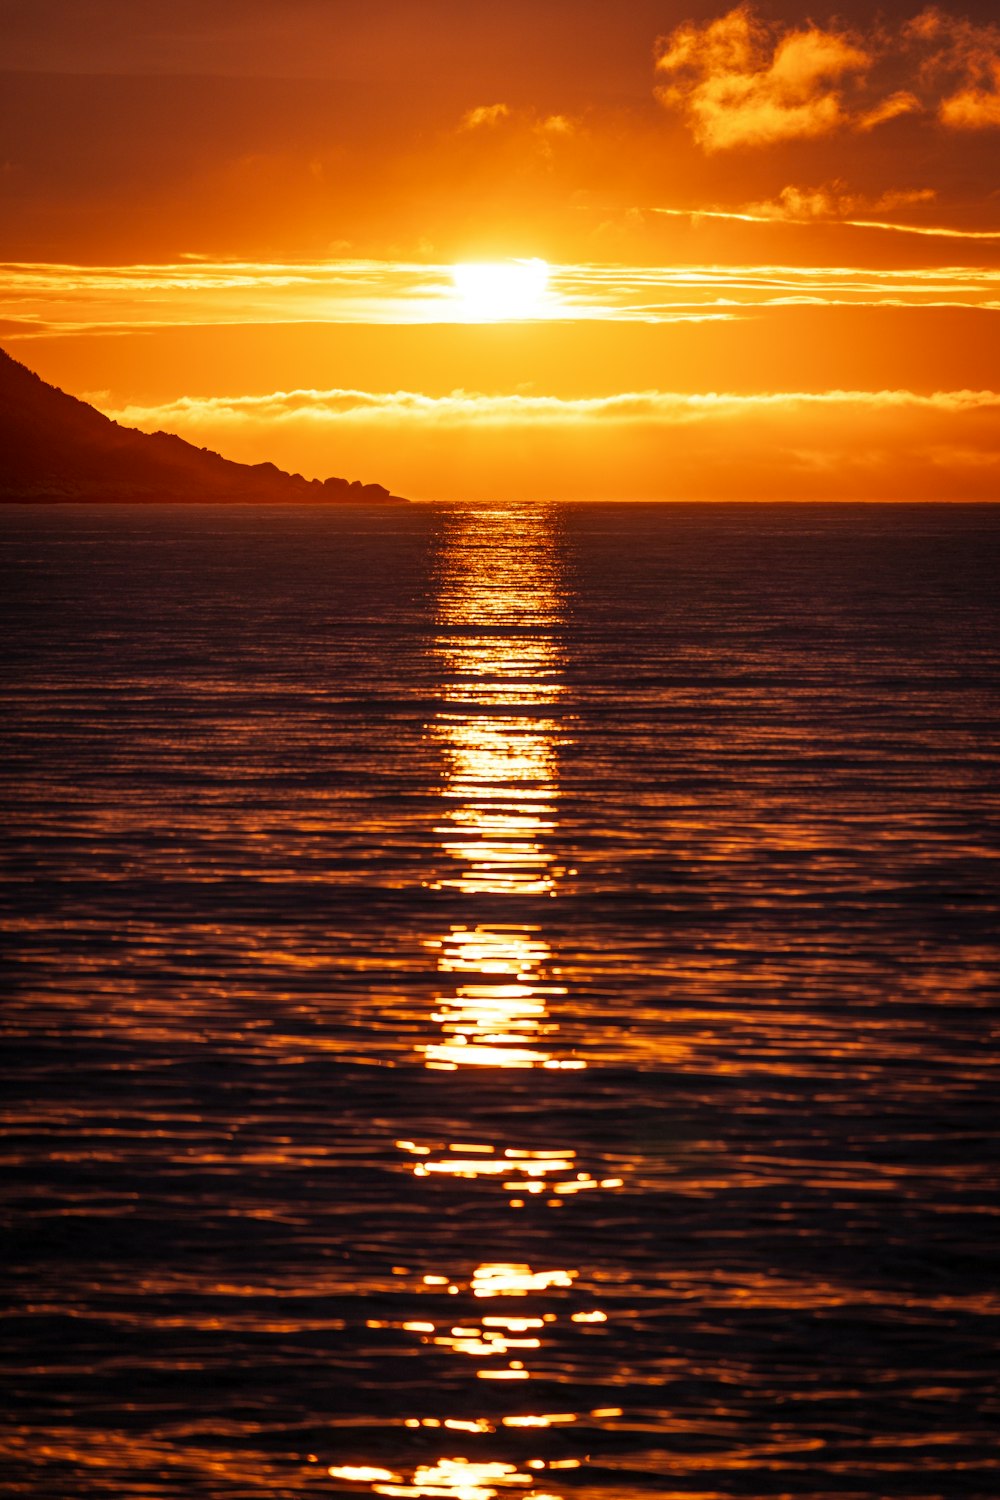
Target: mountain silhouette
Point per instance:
(54, 447)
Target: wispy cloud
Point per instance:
(834, 203)
(902, 102)
(760, 286)
(38, 299)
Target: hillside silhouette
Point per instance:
(54, 447)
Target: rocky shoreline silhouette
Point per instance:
(55, 448)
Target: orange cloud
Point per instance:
(541, 129)
(556, 125)
(821, 206)
(973, 108)
(742, 81)
(739, 83)
(836, 444)
(460, 407)
(795, 205)
(485, 114)
(902, 102)
(43, 300)
(961, 60)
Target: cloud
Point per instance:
(742, 83)
(485, 115)
(972, 109)
(960, 61)
(795, 205)
(834, 202)
(462, 406)
(835, 444)
(43, 299)
(527, 126)
(556, 125)
(902, 102)
(552, 132)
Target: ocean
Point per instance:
(501, 1001)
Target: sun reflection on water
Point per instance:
(500, 661)
(501, 771)
(457, 1478)
(495, 1010)
(497, 1016)
(499, 741)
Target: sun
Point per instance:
(489, 291)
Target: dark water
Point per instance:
(500, 1002)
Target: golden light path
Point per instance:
(499, 743)
(499, 734)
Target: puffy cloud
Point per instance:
(959, 61)
(972, 109)
(741, 83)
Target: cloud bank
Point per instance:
(652, 444)
(464, 406)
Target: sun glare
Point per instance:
(490, 291)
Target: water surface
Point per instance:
(500, 1001)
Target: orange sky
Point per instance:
(772, 239)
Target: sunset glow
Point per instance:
(499, 522)
(767, 246)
